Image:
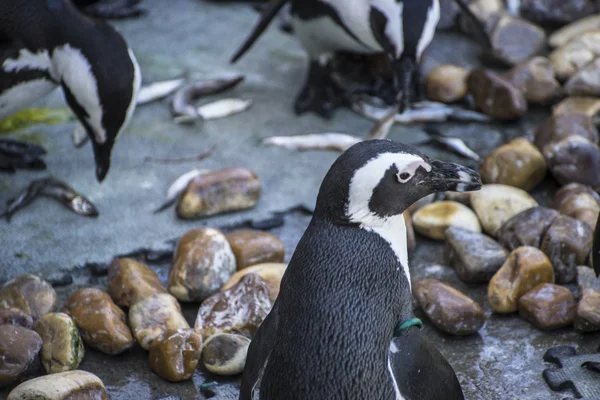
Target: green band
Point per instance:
(403, 327)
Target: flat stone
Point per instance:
(525, 268)
(130, 281)
(515, 40)
(433, 219)
(252, 247)
(586, 81)
(548, 306)
(562, 36)
(474, 256)
(577, 105)
(69, 385)
(578, 201)
(575, 54)
(271, 273)
(496, 96)
(175, 355)
(558, 127)
(450, 310)
(535, 78)
(19, 349)
(527, 228)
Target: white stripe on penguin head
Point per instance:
(72, 68)
(364, 181)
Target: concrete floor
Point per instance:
(503, 361)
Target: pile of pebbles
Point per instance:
(234, 278)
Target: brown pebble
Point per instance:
(203, 261)
(517, 163)
(496, 96)
(226, 190)
(578, 105)
(19, 349)
(548, 306)
(525, 268)
(271, 273)
(527, 228)
(14, 316)
(578, 201)
(450, 310)
(130, 281)
(567, 243)
(536, 80)
(30, 294)
(446, 83)
(586, 81)
(574, 55)
(240, 309)
(574, 159)
(587, 316)
(559, 127)
(69, 385)
(175, 355)
(101, 323)
(515, 40)
(255, 247)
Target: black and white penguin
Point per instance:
(403, 29)
(49, 43)
(331, 332)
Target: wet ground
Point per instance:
(503, 361)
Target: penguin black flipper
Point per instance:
(258, 354)
(421, 371)
(265, 19)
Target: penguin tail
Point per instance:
(265, 19)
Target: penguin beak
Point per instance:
(102, 159)
(447, 176)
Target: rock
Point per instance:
(515, 40)
(175, 355)
(271, 273)
(474, 256)
(203, 261)
(450, 310)
(486, 11)
(19, 350)
(556, 12)
(517, 163)
(578, 201)
(525, 268)
(449, 11)
(459, 197)
(495, 204)
(527, 228)
(62, 347)
(577, 105)
(101, 323)
(567, 243)
(240, 309)
(562, 36)
(411, 240)
(558, 127)
(574, 159)
(585, 82)
(30, 294)
(535, 78)
(14, 316)
(587, 315)
(225, 354)
(433, 219)
(130, 281)
(496, 96)
(230, 189)
(69, 385)
(571, 57)
(154, 315)
(252, 247)
(548, 306)
(446, 83)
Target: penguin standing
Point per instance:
(402, 29)
(331, 332)
(49, 43)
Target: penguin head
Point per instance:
(100, 78)
(375, 180)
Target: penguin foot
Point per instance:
(320, 93)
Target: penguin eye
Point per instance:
(403, 177)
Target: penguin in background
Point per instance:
(45, 44)
(340, 326)
(401, 29)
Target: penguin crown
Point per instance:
(376, 180)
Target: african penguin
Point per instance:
(330, 333)
(401, 28)
(49, 42)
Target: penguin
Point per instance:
(401, 29)
(46, 44)
(330, 334)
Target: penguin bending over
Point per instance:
(49, 43)
(330, 333)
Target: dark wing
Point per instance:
(478, 25)
(265, 19)
(258, 353)
(421, 371)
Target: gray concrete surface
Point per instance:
(194, 38)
